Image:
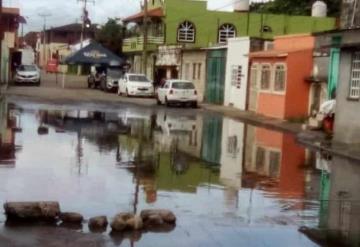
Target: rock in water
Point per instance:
(70, 217)
(166, 215)
(119, 222)
(32, 210)
(98, 223)
(134, 223)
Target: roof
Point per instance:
(74, 27)
(10, 11)
(274, 53)
(94, 53)
(157, 12)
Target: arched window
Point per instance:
(226, 31)
(186, 32)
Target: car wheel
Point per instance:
(127, 93)
(38, 83)
(194, 105)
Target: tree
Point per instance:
(111, 36)
(294, 7)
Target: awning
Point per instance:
(94, 53)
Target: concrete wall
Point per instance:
(347, 118)
(191, 73)
(237, 55)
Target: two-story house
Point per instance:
(179, 30)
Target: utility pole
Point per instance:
(44, 16)
(145, 34)
(84, 17)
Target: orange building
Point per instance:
(278, 86)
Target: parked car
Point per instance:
(177, 92)
(135, 85)
(28, 74)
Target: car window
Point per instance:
(138, 78)
(183, 85)
(167, 85)
(114, 73)
(27, 68)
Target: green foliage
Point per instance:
(295, 7)
(111, 35)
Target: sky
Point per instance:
(69, 11)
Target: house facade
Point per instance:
(58, 40)
(179, 27)
(347, 118)
(278, 86)
(9, 24)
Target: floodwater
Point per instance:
(229, 183)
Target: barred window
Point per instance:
(186, 32)
(355, 77)
(274, 163)
(260, 158)
(226, 31)
(280, 78)
(265, 77)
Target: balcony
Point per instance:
(136, 44)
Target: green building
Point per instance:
(179, 29)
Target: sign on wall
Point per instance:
(169, 56)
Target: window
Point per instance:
(280, 78)
(182, 85)
(186, 32)
(199, 71)
(254, 75)
(226, 31)
(187, 71)
(265, 77)
(355, 77)
(232, 146)
(274, 163)
(260, 158)
(194, 71)
(236, 74)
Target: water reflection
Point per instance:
(208, 169)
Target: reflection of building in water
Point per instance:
(344, 201)
(211, 139)
(276, 155)
(182, 131)
(232, 153)
(9, 123)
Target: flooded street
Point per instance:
(229, 183)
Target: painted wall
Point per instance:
(235, 95)
(207, 22)
(297, 89)
(347, 117)
(194, 74)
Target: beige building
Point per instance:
(194, 69)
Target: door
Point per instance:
(215, 85)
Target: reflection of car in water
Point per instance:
(170, 123)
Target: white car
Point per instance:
(135, 85)
(178, 92)
(28, 74)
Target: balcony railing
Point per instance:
(137, 43)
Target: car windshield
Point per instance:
(138, 78)
(27, 68)
(114, 73)
(183, 85)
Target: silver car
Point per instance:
(28, 74)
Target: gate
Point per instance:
(215, 86)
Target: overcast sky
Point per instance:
(68, 11)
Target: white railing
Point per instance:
(140, 40)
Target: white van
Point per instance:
(135, 85)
